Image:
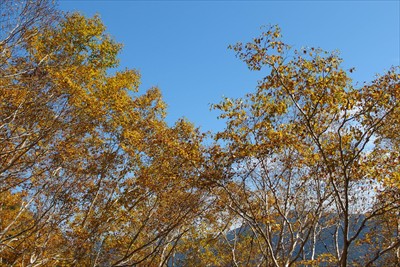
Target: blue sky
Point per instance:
(181, 46)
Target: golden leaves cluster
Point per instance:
(91, 174)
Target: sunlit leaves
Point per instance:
(89, 170)
(308, 127)
(92, 175)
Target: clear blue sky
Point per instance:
(181, 46)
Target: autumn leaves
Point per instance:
(91, 174)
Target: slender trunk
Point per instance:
(343, 258)
(346, 243)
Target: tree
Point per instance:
(310, 151)
(90, 173)
(17, 18)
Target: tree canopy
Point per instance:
(305, 173)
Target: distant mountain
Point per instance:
(325, 242)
